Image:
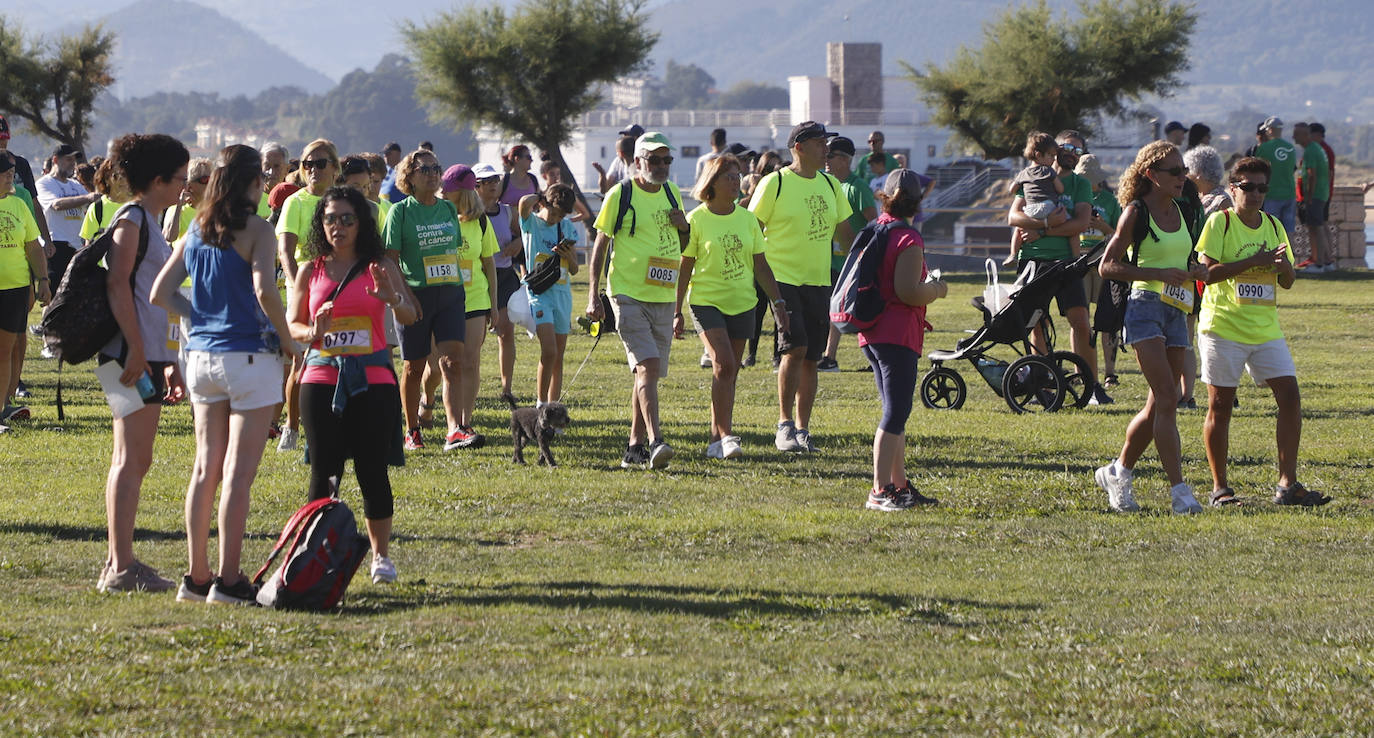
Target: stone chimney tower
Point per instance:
(856, 74)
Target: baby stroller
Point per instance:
(1031, 382)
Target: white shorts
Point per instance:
(247, 380)
(1223, 360)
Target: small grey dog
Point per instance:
(538, 424)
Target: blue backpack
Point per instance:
(856, 302)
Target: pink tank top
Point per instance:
(355, 329)
(900, 324)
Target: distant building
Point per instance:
(213, 134)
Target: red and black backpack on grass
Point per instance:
(323, 550)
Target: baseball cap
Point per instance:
(841, 145)
(1174, 126)
(806, 131)
(4, 129)
(903, 180)
(459, 177)
(739, 149)
(635, 130)
(651, 141)
(277, 197)
(1090, 168)
(65, 150)
(485, 171)
(1272, 121)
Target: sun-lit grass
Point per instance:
(755, 597)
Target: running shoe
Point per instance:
(288, 440)
(21, 391)
(1116, 483)
(139, 577)
(888, 499)
(14, 412)
(804, 443)
(413, 440)
(659, 454)
(827, 365)
(383, 571)
(189, 591)
(786, 439)
(1184, 503)
(462, 437)
(730, 448)
(713, 450)
(241, 593)
(636, 456)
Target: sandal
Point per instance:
(426, 416)
(1223, 497)
(1296, 494)
(1110, 381)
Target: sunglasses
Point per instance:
(1172, 171)
(320, 164)
(1070, 148)
(344, 219)
(1251, 187)
(657, 161)
(429, 169)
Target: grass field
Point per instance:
(727, 598)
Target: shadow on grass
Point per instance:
(64, 532)
(707, 602)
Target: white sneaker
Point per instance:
(1117, 484)
(729, 447)
(713, 450)
(1184, 502)
(383, 571)
(288, 440)
(705, 360)
(786, 439)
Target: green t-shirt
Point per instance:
(428, 240)
(862, 164)
(799, 224)
(724, 247)
(1077, 190)
(1243, 308)
(1316, 167)
(644, 265)
(92, 226)
(860, 197)
(1111, 209)
(1283, 160)
(476, 247)
(17, 229)
(296, 214)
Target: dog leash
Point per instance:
(573, 381)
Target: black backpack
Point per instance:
(626, 193)
(546, 275)
(79, 320)
(857, 302)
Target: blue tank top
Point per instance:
(500, 222)
(225, 315)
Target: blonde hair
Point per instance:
(705, 188)
(406, 169)
(320, 144)
(200, 167)
(1134, 184)
(467, 202)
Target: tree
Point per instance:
(753, 96)
(685, 87)
(1038, 72)
(53, 87)
(532, 72)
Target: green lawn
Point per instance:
(755, 597)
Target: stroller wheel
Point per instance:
(943, 389)
(1033, 384)
(1077, 378)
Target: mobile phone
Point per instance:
(145, 388)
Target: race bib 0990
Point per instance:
(1255, 293)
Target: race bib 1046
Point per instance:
(441, 269)
(347, 336)
(1180, 297)
(662, 272)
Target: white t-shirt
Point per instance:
(701, 162)
(620, 170)
(64, 225)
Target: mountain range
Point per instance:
(1294, 60)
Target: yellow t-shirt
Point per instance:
(296, 214)
(644, 264)
(92, 226)
(383, 207)
(188, 215)
(799, 216)
(264, 210)
(724, 247)
(1243, 308)
(1167, 250)
(17, 228)
(476, 246)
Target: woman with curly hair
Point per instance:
(154, 167)
(349, 396)
(1161, 273)
(235, 331)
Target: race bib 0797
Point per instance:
(348, 336)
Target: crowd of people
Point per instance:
(376, 252)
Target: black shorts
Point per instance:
(14, 309)
(808, 311)
(442, 318)
(1070, 296)
(469, 315)
(507, 282)
(738, 327)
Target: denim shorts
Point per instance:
(1148, 317)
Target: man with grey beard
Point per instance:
(64, 203)
(650, 230)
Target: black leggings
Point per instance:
(894, 370)
(362, 434)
